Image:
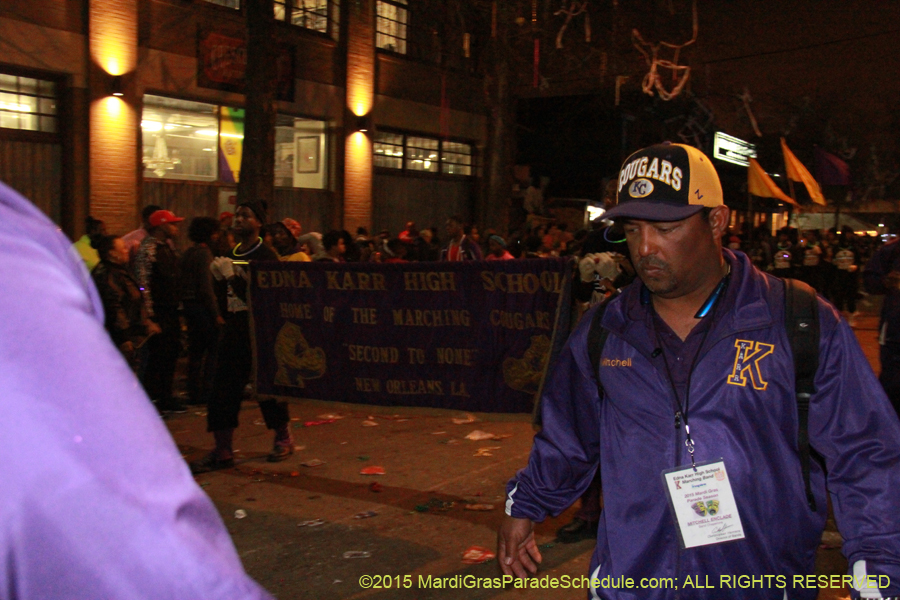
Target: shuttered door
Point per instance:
(426, 200)
(34, 169)
(189, 199)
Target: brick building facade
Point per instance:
(75, 146)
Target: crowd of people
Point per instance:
(830, 261)
(152, 292)
(148, 287)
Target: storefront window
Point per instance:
(419, 153)
(204, 142)
(28, 104)
(422, 154)
(388, 150)
(456, 158)
(179, 139)
(300, 152)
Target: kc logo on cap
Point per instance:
(640, 188)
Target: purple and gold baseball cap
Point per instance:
(666, 182)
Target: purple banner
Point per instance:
(471, 336)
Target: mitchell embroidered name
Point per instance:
(615, 362)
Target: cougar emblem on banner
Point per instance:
(297, 361)
(524, 374)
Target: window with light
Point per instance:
(388, 150)
(456, 158)
(236, 4)
(390, 25)
(180, 139)
(204, 142)
(28, 104)
(421, 153)
(317, 15)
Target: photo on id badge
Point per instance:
(703, 504)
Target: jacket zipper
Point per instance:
(678, 445)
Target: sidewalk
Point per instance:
(421, 526)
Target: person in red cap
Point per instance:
(293, 226)
(156, 267)
(134, 238)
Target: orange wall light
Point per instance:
(114, 138)
(113, 35)
(360, 101)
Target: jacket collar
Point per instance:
(744, 307)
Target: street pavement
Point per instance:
(412, 520)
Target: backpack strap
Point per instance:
(801, 319)
(596, 339)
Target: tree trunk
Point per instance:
(257, 176)
(495, 204)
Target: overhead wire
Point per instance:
(800, 48)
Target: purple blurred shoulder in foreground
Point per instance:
(97, 501)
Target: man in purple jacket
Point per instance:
(882, 276)
(97, 501)
(696, 433)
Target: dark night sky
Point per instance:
(819, 71)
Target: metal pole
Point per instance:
(791, 187)
(837, 213)
(750, 209)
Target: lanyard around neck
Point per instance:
(681, 412)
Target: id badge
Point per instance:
(703, 504)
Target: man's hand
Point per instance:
(517, 551)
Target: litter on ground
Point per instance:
(479, 435)
(475, 555)
(483, 507)
(488, 451)
(469, 418)
(311, 523)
